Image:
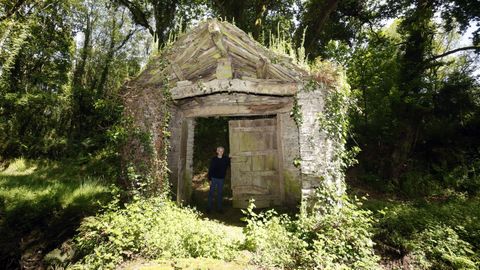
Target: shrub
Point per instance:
(430, 232)
(273, 239)
(151, 228)
(342, 237)
(333, 234)
(440, 247)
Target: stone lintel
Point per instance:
(186, 90)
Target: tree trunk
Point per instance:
(413, 68)
(80, 68)
(108, 60)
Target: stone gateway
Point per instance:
(216, 69)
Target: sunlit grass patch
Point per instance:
(20, 167)
(27, 184)
(46, 199)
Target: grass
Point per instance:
(192, 264)
(406, 227)
(41, 204)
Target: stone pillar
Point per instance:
(318, 165)
(290, 151)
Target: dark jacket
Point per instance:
(218, 167)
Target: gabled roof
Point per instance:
(216, 50)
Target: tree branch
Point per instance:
(126, 39)
(454, 51)
(327, 8)
(13, 10)
(138, 15)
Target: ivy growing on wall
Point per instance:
(334, 119)
(146, 168)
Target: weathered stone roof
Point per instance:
(219, 51)
(198, 53)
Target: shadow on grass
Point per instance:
(41, 204)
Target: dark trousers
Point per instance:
(216, 184)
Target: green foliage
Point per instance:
(273, 239)
(424, 135)
(45, 200)
(258, 17)
(152, 228)
(334, 234)
(35, 56)
(342, 231)
(296, 112)
(332, 20)
(438, 235)
(440, 247)
(57, 100)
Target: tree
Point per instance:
(399, 76)
(258, 17)
(166, 15)
(36, 52)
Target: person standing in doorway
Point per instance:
(216, 176)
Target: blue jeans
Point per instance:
(216, 184)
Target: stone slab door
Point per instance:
(254, 162)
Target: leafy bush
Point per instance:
(273, 239)
(438, 235)
(440, 247)
(151, 228)
(333, 234)
(465, 177)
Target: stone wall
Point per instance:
(290, 151)
(175, 128)
(318, 162)
(145, 108)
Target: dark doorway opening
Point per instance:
(211, 132)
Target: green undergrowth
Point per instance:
(240, 263)
(42, 202)
(433, 235)
(153, 228)
(334, 234)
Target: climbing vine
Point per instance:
(334, 119)
(166, 112)
(146, 149)
(296, 112)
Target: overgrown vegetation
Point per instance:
(331, 235)
(431, 235)
(154, 228)
(41, 203)
(416, 119)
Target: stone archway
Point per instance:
(258, 168)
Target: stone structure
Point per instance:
(217, 70)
